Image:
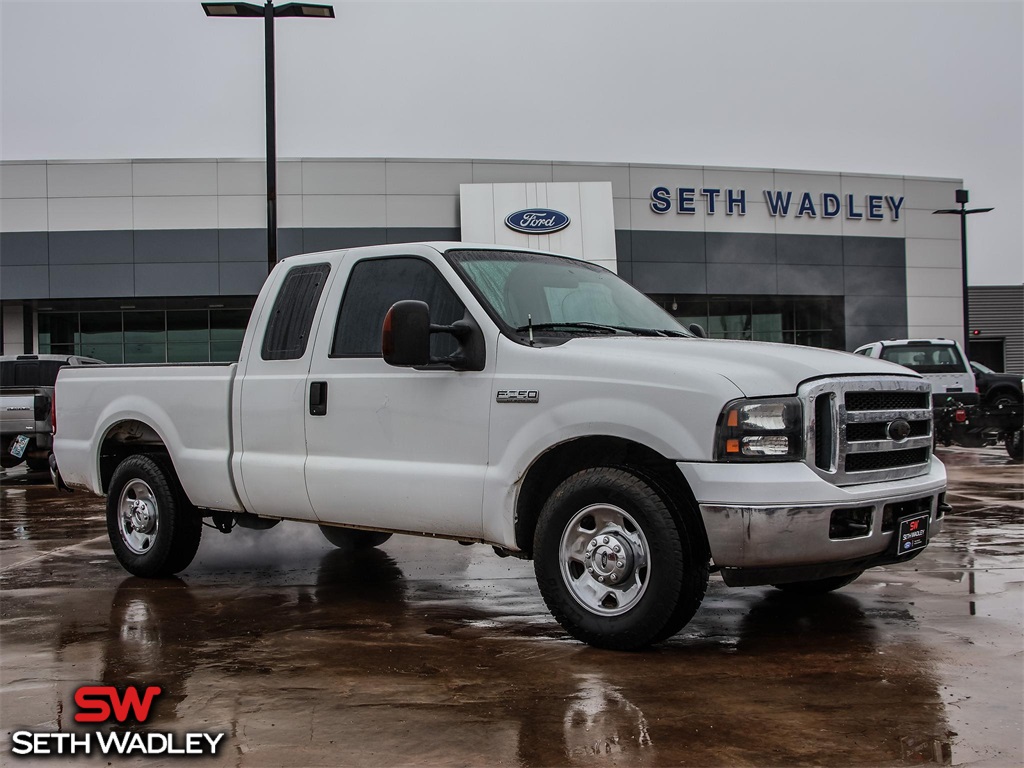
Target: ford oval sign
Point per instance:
(537, 221)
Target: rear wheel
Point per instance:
(153, 529)
(818, 586)
(37, 464)
(1014, 444)
(613, 565)
(350, 538)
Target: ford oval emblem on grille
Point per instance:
(537, 221)
(898, 430)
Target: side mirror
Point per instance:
(698, 330)
(405, 340)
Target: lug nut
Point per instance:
(601, 579)
(621, 564)
(586, 556)
(605, 540)
(616, 548)
(613, 577)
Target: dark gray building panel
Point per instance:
(175, 246)
(421, 234)
(739, 248)
(740, 279)
(668, 277)
(623, 247)
(810, 280)
(244, 244)
(24, 249)
(875, 281)
(80, 281)
(103, 247)
(877, 310)
(177, 279)
(242, 278)
(667, 246)
(859, 335)
(809, 249)
(328, 239)
(874, 252)
(23, 282)
(289, 243)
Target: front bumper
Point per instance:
(774, 523)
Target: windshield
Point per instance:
(559, 295)
(926, 358)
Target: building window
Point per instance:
(146, 335)
(811, 321)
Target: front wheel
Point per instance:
(613, 564)
(818, 586)
(153, 529)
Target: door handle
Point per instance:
(318, 398)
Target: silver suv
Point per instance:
(26, 394)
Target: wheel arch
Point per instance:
(1003, 389)
(128, 437)
(565, 459)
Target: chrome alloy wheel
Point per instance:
(603, 558)
(137, 519)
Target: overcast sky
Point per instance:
(917, 88)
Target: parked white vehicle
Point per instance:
(525, 400)
(941, 361)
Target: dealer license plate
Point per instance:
(19, 445)
(913, 534)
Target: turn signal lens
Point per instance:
(761, 430)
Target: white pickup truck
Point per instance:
(529, 401)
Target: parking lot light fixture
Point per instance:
(963, 212)
(269, 12)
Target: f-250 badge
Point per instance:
(518, 396)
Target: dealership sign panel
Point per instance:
(575, 218)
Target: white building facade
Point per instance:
(147, 261)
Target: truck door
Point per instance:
(390, 447)
(272, 397)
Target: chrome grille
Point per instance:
(848, 428)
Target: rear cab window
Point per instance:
(926, 358)
(291, 318)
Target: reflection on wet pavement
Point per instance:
(425, 652)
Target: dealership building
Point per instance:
(152, 261)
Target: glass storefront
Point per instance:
(812, 321)
(146, 335)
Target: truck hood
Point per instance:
(758, 369)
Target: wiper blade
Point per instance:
(596, 328)
(590, 327)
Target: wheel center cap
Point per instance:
(139, 516)
(609, 558)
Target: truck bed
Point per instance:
(92, 401)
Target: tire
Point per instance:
(818, 586)
(352, 539)
(615, 567)
(38, 465)
(1014, 444)
(153, 528)
(8, 461)
(1002, 399)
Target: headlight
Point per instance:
(761, 430)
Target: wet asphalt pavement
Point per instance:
(429, 653)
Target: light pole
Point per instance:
(963, 213)
(269, 12)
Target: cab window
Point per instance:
(374, 286)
